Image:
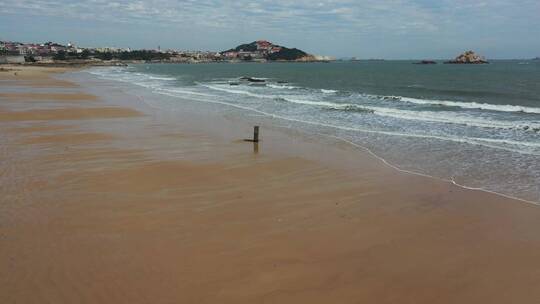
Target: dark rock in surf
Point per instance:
(252, 79)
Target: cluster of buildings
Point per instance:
(51, 52)
(35, 49)
(51, 48)
(16, 52)
(193, 56)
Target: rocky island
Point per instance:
(468, 57)
(263, 50)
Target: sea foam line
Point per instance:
(471, 105)
(466, 140)
(462, 140)
(279, 86)
(426, 116)
(448, 103)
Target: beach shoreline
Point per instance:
(483, 142)
(170, 207)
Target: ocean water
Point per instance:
(476, 125)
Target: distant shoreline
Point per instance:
(79, 64)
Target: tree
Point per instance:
(85, 54)
(287, 54)
(124, 56)
(105, 56)
(29, 58)
(60, 55)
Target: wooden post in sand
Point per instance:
(256, 134)
(255, 138)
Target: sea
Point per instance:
(477, 126)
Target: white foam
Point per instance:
(470, 105)
(426, 116)
(294, 99)
(502, 144)
(452, 118)
(233, 91)
(325, 91)
(161, 78)
(181, 91)
(279, 86)
(464, 140)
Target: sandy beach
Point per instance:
(108, 203)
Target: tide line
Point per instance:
(452, 180)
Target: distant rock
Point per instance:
(468, 57)
(426, 62)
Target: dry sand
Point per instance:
(86, 217)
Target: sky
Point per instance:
(390, 29)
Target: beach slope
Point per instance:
(101, 203)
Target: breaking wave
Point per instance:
(471, 105)
(445, 117)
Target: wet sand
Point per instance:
(101, 203)
(47, 96)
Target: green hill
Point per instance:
(287, 54)
(248, 47)
(266, 50)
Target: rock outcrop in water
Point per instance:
(252, 79)
(426, 62)
(468, 57)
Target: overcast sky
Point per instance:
(393, 29)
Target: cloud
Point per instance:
(300, 15)
(462, 21)
(342, 15)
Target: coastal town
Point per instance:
(54, 53)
